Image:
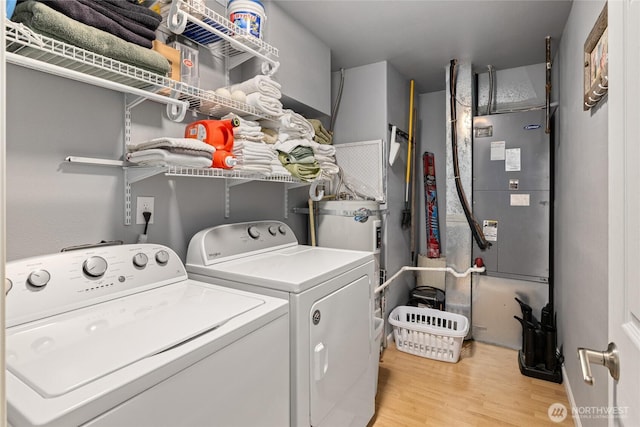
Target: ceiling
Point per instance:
(419, 38)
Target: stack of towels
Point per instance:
(294, 140)
(118, 29)
(248, 130)
(185, 152)
(252, 154)
(262, 92)
(254, 157)
(325, 154)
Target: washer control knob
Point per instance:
(7, 286)
(162, 257)
(253, 231)
(282, 229)
(38, 278)
(140, 260)
(273, 230)
(94, 266)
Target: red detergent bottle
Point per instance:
(218, 133)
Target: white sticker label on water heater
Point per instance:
(490, 230)
(497, 150)
(512, 160)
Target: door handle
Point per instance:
(321, 361)
(608, 358)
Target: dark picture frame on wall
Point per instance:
(596, 62)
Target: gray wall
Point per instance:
(432, 138)
(305, 63)
(374, 96)
(581, 212)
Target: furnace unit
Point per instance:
(512, 194)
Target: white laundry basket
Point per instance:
(429, 333)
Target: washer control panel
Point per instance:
(229, 241)
(51, 284)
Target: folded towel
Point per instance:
(244, 123)
(44, 20)
(270, 135)
(259, 169)
(166, 142)
(324, 149)
(278, 169)
(322, 136)
(321, 139)
(299, 154)
(302, 171)
(267, 104)
(161, 157)
(134, 11)
(260, 83)
(249, 138)
(324, 159)
(290, 144)
(186, 151)
(329, 170)
(295, 125)
(93, 13)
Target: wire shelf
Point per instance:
(22, 41)
(218, 34)
(227, 173)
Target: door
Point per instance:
(340, 342)
(624, 202)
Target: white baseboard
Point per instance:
(572, 402)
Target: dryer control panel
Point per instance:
(230, 241)
(46, 285)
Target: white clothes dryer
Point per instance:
(120, 336)
(330, 293)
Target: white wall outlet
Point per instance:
(144, 204)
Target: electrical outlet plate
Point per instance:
(144, 204)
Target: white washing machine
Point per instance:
(119, 336)
(330, 293)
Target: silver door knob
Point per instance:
(608, 358)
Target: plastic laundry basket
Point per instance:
(429, 333)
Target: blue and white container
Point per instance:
(248, 15)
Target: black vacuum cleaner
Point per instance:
(538, 357)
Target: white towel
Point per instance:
(160, 157)
(324, 149)
(260, 83)
(329, 169)
(262, 169)
(295, 126)
(249, 138)
(266, 104)
(164, 142)
(279, 170)
(290, 144)
(243, 122)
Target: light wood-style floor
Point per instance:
(485, 388)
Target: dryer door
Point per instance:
(340, 345)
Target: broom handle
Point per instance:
(407, 178)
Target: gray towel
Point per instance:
(44, 20)
(93, 14)
(134, 11)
